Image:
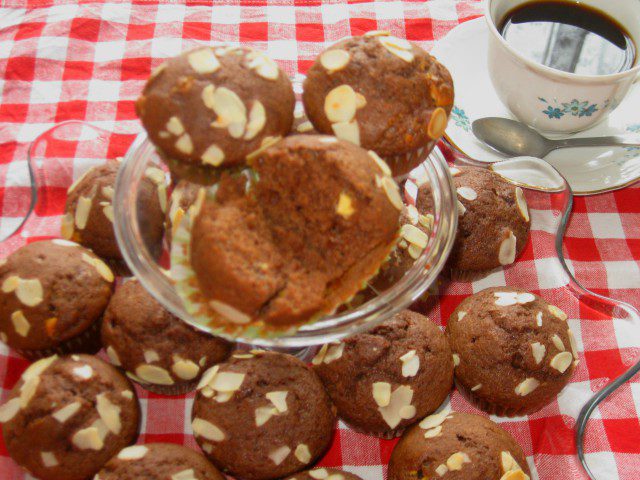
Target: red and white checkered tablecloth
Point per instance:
(61, 60)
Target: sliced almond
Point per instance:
(257, 120)
(319, 356)
(207, 95)
(113, 356)
(340, 104)
(393, 193)
(457, 461)
(399, 407)
(302, 453)
(557, 341)
(107, 210)
(20, 323)
(436, 419)
(476, 387)
(437, 123)
(467, 193)
(521, 203)
(227, 381)
(87, 439)
(433, 432)
(203, 60)
(83, 208)
(461, 208)
(442, 470)
(109, 413)
(229, 313)
(527, 386)
(49, 459)
(263, 65)
(349, 131)
(150, 356)
(508, 462)
(380, 162)
(515, 475)
(174, 126)
(414, 235)
(184, 144)
(410, 364)
(538, 351)
(398, 47)
(162, 197)
(539, 319)
(562, 361)
(207, 377)
(361, 101)
(28, 390)
(573, 344)
(264, 414)
(279, 400)
(507, 252)
(83, 372)
(278, 455)
(304, 127)
(556, 312)
(382, 393)
(9, 410)
(29, 291)
(345, 206)
(185, 369)
(103, 270)
(456, 359)
(135, 452)
(154, 374)
(207, 430)
(377, 33)
(334, 352)
(67, 226)
(334, 60)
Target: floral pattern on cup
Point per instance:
(632, 152)
(460, 118)
(576, 108)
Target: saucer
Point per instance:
(588, 170)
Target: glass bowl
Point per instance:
(130, 216)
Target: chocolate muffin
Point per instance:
(158, 461)
(457, 446)
(155, 348)
(88, 217)
(53, 294)
(304, 237)
(67, 416)
(382, 93)
(210, 107)
(493, 222)
(513, 351)
(182, 200)
(385, 379)
(262, 415)
(324, 474)
(415, 230)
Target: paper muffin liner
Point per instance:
(401, 164)
(491, 408)
(199, 307)
(88, 341)
(384, 434)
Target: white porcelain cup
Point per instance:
(550, 100)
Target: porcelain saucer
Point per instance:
(588, 170)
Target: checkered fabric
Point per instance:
(61, 60)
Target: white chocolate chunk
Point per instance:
(203, 60)
(334, 60)
(538, 351)
(562, 361)
(154, 374)
(527, 386)
(278, 455)
(135, 452)
(207, 430)
(345, 206)
(20, 323)
(521, 203)
(467, 193)
(507, 252)
(302, 453)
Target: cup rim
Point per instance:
(553, 72)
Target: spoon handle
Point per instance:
(629, 140)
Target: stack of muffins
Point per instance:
(291, 229)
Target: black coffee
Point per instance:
(569, 37)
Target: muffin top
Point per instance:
(493, 222)
(415, 230)
(513, 350)
(212, 106)
(88, 217)
(158, 461)
(51, 291)
(378, 91)
(457, 446)
(68, 415)
(153, 345)
(324, 474)
(271, 402)
(316, 224)
(389, 377)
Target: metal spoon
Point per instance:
(517, 139)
